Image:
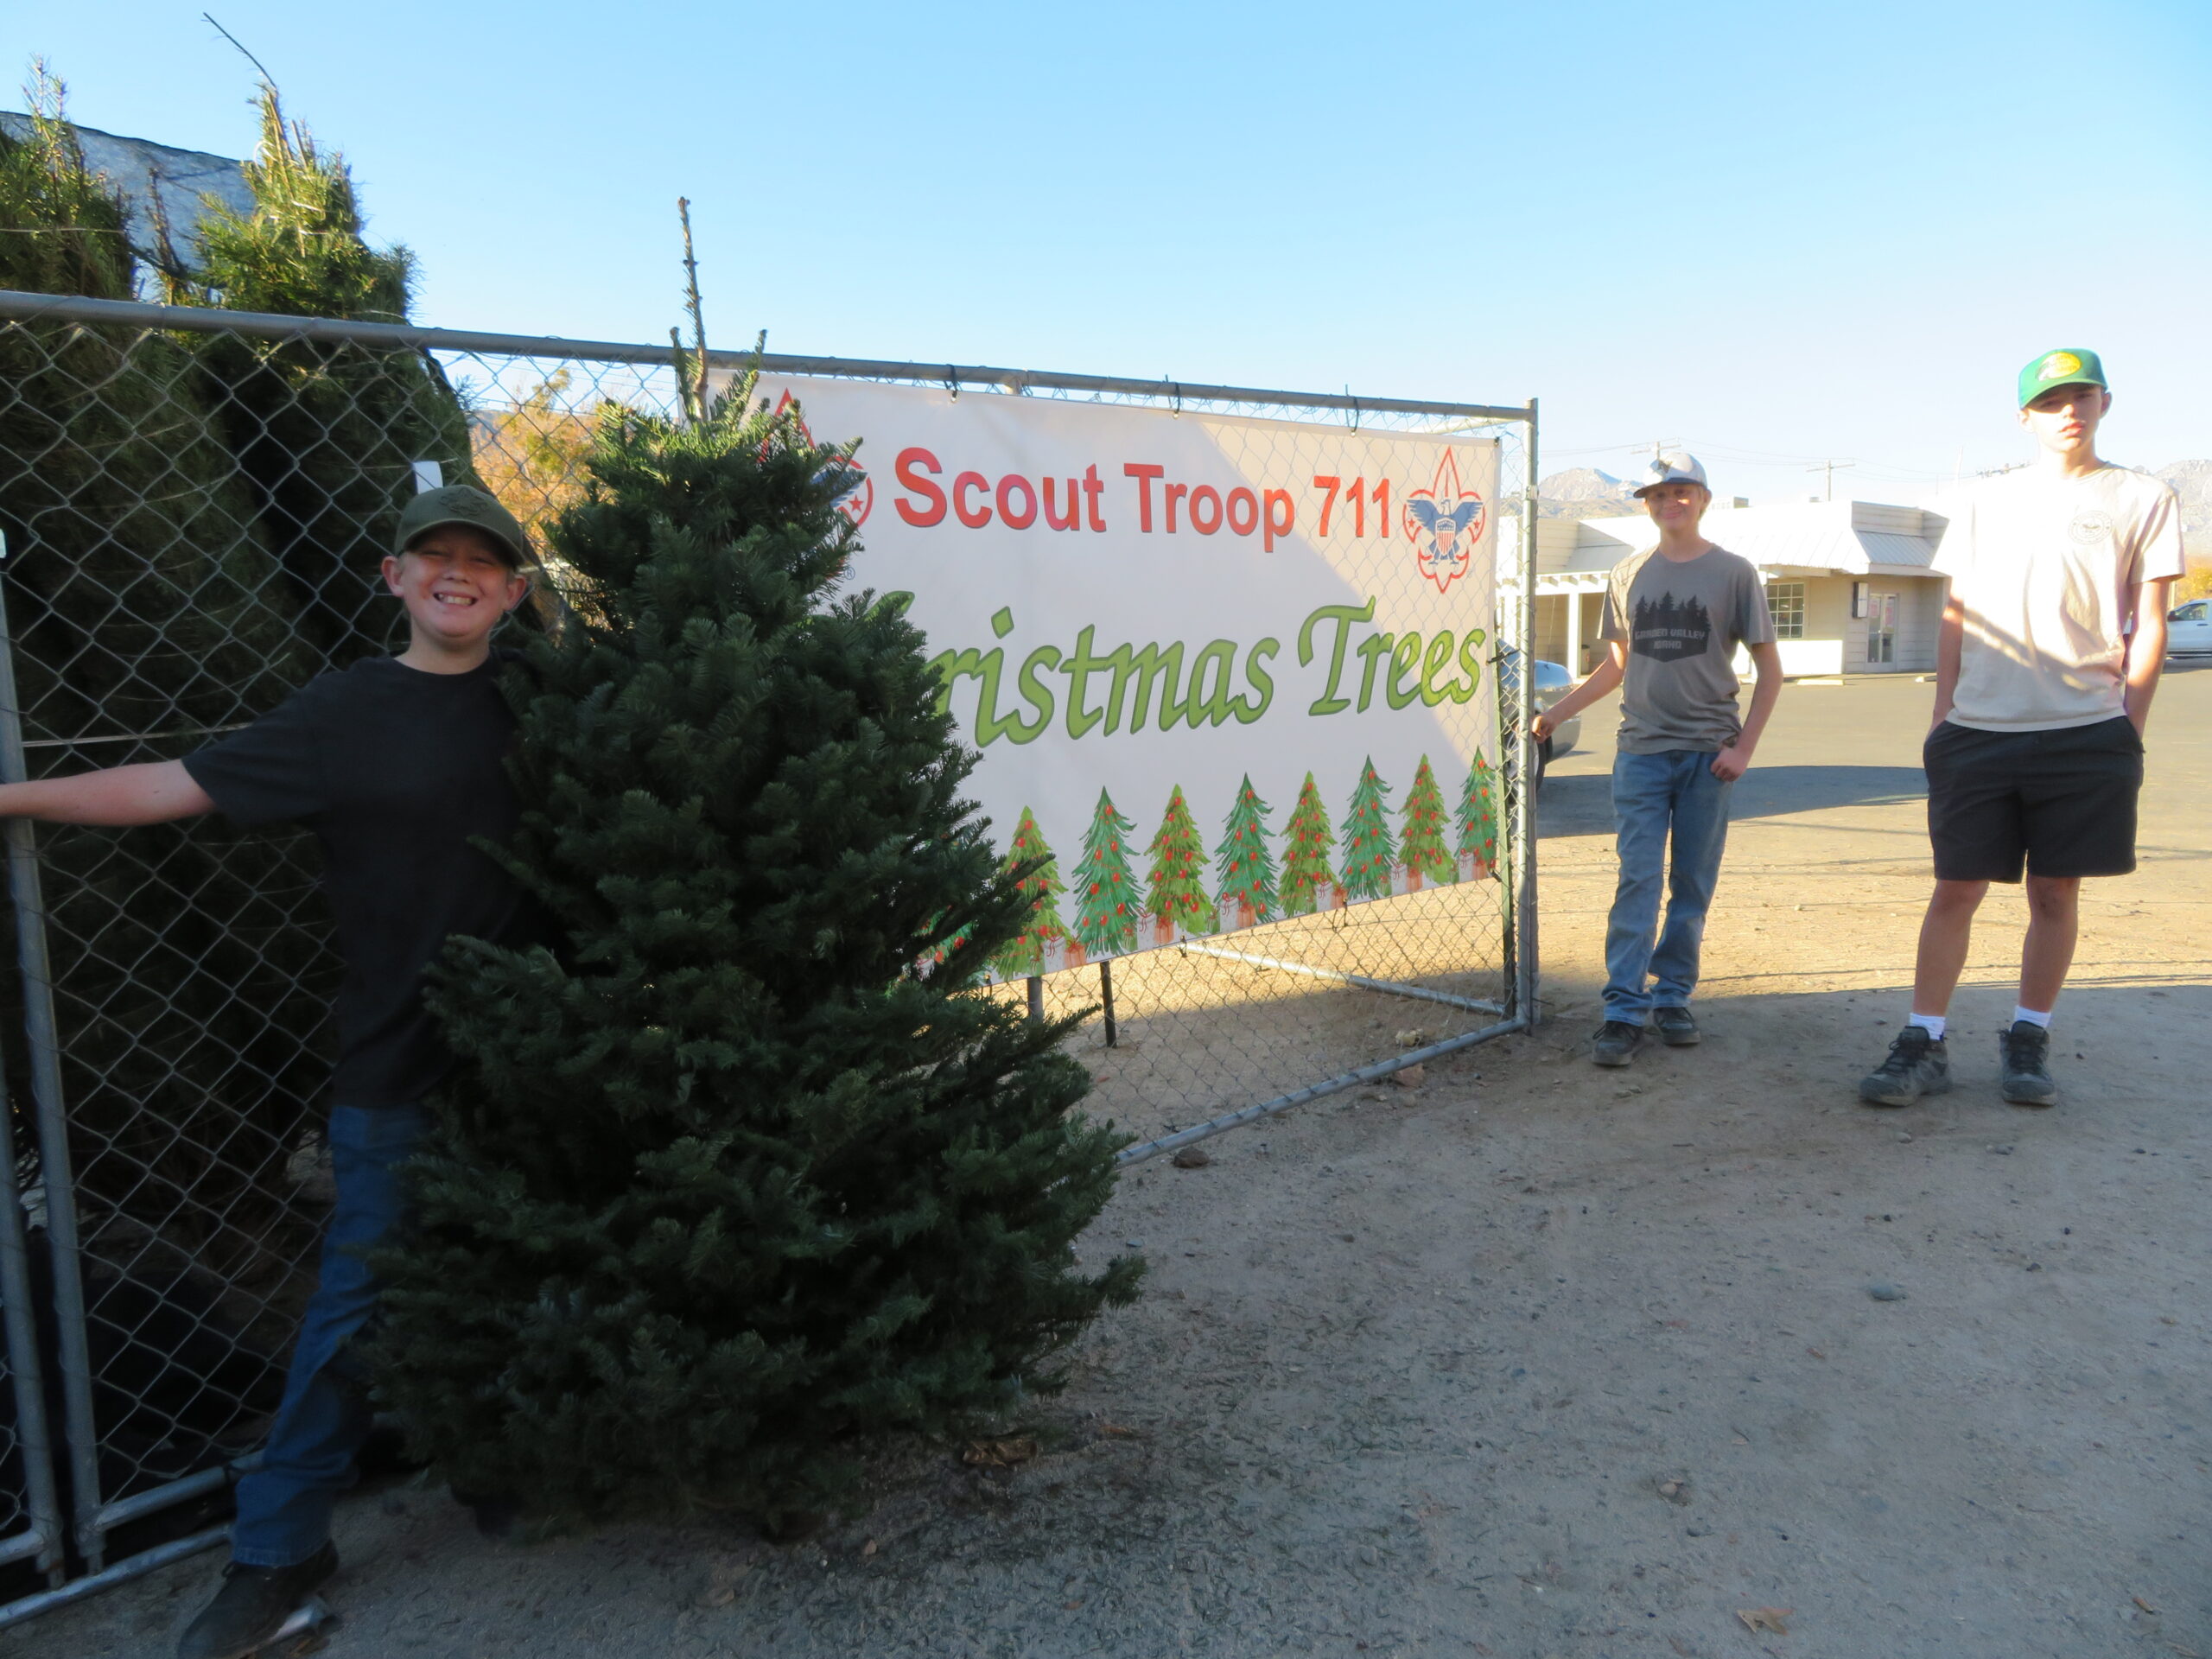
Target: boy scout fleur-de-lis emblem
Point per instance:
(1444, 522)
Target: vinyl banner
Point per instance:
(1220, 670)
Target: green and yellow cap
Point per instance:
(2067, 368)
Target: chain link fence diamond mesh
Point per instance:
(195, 504)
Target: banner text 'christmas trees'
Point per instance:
(1348, 663)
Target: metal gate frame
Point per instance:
(42, 1540)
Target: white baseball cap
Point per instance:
(1677, 469)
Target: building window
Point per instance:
(1785, 604)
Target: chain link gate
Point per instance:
(195, 504)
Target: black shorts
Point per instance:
(2062, 800)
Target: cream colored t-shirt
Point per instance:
(2046, 567)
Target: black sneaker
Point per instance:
(1918, 1065)
(1615, 1043)
(253, 1607)
(2025, 1054)
(1676, 1027)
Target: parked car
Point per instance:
(2189, 629)
(1554, 681)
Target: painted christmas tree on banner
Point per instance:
(1478, 822)
(1308, 882)
(1243, 862)
(1106, 893)
(1420, 845)
(1041, 946)
(1175, 900)
(1367, 837)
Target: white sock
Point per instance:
(1932, 1024)
(2030, 1016)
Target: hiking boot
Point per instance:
(2025, 1054)
(1676, 1028)
(1918, 1065)
(253, 1607)
(1615, 1043)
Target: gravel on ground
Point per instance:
(1697, 1358)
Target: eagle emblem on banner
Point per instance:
(858, 501)
(1445, 523)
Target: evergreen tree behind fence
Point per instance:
(195, 503)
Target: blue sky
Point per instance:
(1776, 233)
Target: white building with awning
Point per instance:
(1848, 582)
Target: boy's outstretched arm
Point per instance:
(1605, 678)
(155, 792)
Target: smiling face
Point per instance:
(1678, 505)
(456, 584)
(2064, 419)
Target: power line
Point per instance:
(1828, 467)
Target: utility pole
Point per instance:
(1827, 492)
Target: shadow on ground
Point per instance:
(1583, 806)
(1531, 1359)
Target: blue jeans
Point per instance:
(284, 1506)
(1655, 795)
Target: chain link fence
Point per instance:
(195, 504)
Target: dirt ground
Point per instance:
(1535, 1360)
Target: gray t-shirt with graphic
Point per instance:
(1682, 622)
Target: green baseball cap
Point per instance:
(2067, 368)
(462, 503)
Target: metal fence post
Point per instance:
(33, 1442)
(1527, 978)
(54, 1168)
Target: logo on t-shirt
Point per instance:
(1670, 629)
(2090, 526)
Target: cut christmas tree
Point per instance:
(729, 1182)
(1040, 943)
(1421, 843)
(1477, 822)
(1308, 882)
(1244, 864)
(327, 431)
(1366, 831)
(137, 579)
(1106, 903)
(143, 614)
(1175, 899)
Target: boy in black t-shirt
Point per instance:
(395, 764)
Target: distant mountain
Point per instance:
(1584, 493)
(2192, 482)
